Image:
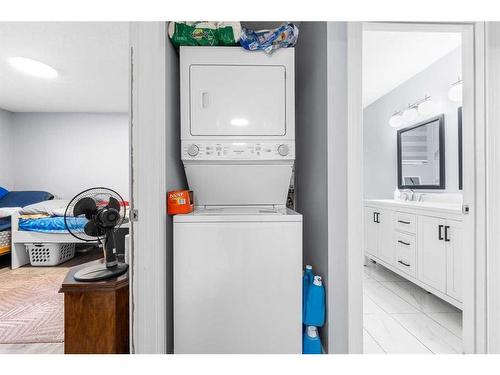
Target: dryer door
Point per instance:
(237, 100)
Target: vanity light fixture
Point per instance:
(396, 120)
(426, 106)
(33, 67)
(410, 114)
(455, 91)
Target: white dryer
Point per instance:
(238, 256)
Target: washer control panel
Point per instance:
(268, 150)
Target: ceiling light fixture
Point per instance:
(455, 91)
(33, 67)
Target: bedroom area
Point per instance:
(64, 128)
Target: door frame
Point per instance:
(473, 62)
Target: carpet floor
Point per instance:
(31, 307)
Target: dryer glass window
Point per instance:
(229, 100)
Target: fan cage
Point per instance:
(102, 196)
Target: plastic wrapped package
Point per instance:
(269, 40)
(204, 33)
(228, 33)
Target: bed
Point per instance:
(42, 230)
(11, 201)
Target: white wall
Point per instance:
(65, 153)
(380, 152)
(6, 157)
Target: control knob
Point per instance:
(283, 150)
(193, 150)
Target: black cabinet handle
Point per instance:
(441, 232)
(404, 243)
(446, 238)
(378, 218)
(404, 264)
(403, 222)
(374, 217)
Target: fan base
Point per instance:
(100, 272)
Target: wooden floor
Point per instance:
(45, 348)
(41, 348)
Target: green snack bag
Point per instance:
(228, 33)
(193, 34)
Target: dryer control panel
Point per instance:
(269, 150)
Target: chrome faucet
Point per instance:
(406, 193)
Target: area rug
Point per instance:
(31, 307)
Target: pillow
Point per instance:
(55, 207)
(8, 211)
(3, 192)
(24, 198)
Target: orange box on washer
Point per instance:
(179, 202)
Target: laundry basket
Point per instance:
(50, 254)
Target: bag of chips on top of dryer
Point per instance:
(269, 40)
(228, 33)
(193, 33)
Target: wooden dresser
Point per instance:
(96, 314)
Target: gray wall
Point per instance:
(311, 146)
(65, 153)
(380, 155)
(6, 150)
(175, 178)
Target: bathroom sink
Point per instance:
(423, 204)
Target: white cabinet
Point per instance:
(406, 253)
(379, 233)
(454, 259)
(424, 246)
(440, 255)
(371, 231)
(386, 235)
(432, 252)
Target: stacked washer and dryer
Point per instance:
(238, 256)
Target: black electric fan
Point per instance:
(102, 211)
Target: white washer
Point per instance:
(238, 256)
(237, 281)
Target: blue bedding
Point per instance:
(4, 223)
(21, 199)
(52, 224)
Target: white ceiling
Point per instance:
(91, 58)
(390, 58)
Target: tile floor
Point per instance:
(401, 317)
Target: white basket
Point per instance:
(50, 254)
(5, 238)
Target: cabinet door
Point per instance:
(237, 100)
(454, 259)
(371, 232)
(385, 236)
(432, 252)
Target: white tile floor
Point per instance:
(401, 317)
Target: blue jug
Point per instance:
(315, 304)
(307, 280)
(311, 344)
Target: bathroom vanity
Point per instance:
(420, 241)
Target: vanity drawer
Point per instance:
(405, 222)
(406, 257)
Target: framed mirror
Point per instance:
(421, 160)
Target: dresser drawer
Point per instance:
(405, 222)
(406, 258)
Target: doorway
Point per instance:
(63, 128)
(408, 283)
